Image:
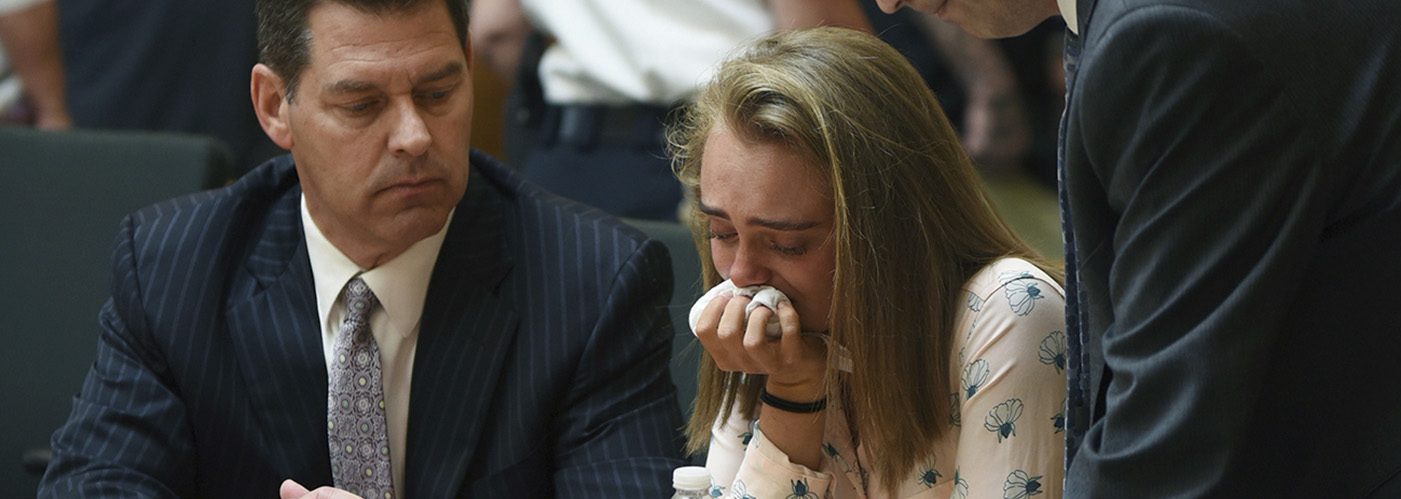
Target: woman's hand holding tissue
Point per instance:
(739, 342)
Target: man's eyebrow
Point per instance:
(782, 225)
(350, 87)
(451, 69)
(357, 86)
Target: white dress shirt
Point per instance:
(639, 51)
(401, 285)
(1071, 16)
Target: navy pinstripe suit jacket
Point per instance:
(541, 368)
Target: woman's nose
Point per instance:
(746, 270)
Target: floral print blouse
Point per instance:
(1007, 392)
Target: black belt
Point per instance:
(587, 126)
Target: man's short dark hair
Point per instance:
(284, 34)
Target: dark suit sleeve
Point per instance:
(127, 435)
(619, 436)
(1210, 171)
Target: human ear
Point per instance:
(269, 103)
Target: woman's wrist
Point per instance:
(797, 392)
(794, 407)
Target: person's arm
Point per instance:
(128, 434)
(728, 442)
(1216, 201)
(618, 433)
(30, 39)
(744, 462)
(782, 452)
(794, 14)
(1010, 412)
(499, 31)
(996, 132)
(767, 471)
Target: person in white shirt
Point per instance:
(612, 74)
(922, 350)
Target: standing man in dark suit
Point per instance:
(1231, 185)
(375, 312)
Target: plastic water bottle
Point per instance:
(691, 482)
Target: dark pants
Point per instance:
(613, 158)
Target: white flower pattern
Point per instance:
(1022, 295)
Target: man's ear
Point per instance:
(270, 104)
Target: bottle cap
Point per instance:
(691, 478)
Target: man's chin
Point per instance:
(989, 27)
(989, 31)
(423, 219)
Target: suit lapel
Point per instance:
(465, 335)
(1081, 350)
(277, 339)
(1083, 10)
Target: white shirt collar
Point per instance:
(1071, 16)
(401, 284)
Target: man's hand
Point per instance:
(293, 490)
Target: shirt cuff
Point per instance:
(767, 472)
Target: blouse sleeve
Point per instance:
(1011, 394)
(743, 464)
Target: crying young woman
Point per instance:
(873, 329)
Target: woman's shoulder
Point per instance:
(1009, 271)
(1013, 322)
(1009, 294)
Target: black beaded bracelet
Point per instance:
(790, 406)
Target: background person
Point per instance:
(611, 74)
(165, 66)
(31, 70)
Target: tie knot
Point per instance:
(359, 299)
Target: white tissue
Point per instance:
(760, 296)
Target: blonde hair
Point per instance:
(912, 223)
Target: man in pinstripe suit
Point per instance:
(522, 340)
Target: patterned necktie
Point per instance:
(355, 416)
